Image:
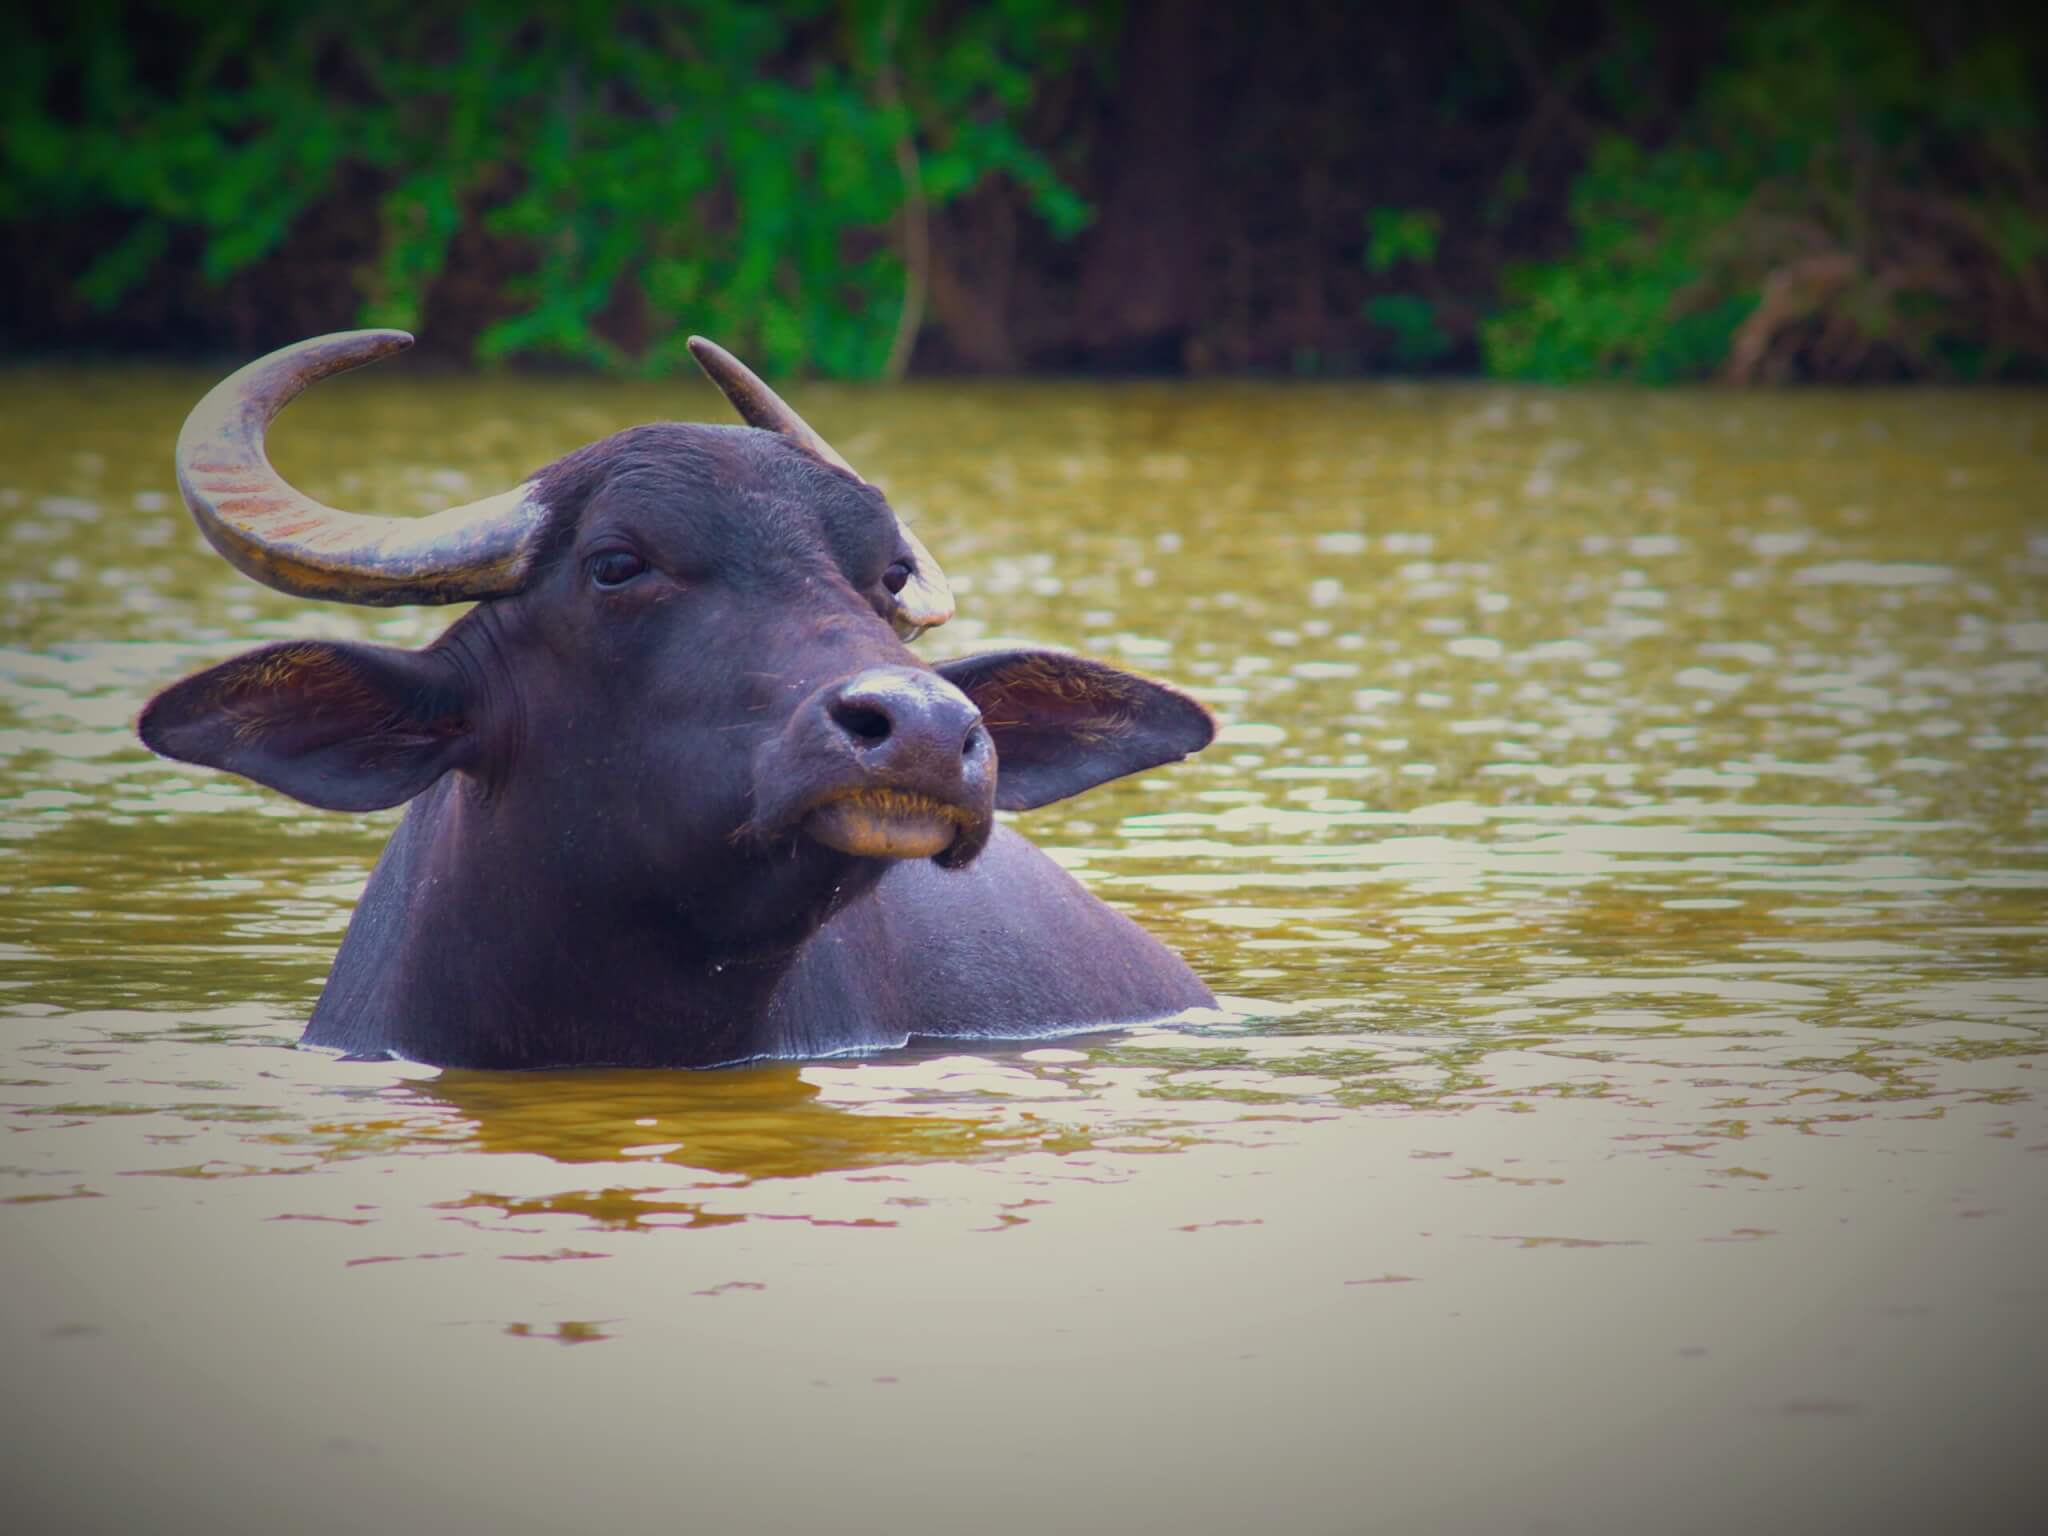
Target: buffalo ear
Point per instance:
(1062, 724)
(345, 727)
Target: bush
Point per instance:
(1849, 198)
(645, 169)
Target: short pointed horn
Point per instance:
(285, 539)
(926, 601)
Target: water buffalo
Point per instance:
(681, 793)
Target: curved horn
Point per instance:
(289, 541)
(926, 601)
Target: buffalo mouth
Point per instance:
(887, 824)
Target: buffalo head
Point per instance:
(684, 688)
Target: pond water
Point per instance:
(1625, 861)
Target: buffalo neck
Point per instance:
(480, 941)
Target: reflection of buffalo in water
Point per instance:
(763, 1122)
(680, 793)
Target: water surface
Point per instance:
(1625, 860)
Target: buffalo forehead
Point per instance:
(732, 492)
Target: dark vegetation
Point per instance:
(1810, 190)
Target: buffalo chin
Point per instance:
(887, 824)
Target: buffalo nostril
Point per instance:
(974, 735)
(869, 726)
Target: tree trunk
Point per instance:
(1141, 261)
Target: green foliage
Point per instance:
(1418, 338)
(1395, 235)
(1851, 196)
(1631, 300)
(652, 168)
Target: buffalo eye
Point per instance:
(615, 567)
(897, 577)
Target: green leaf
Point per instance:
(1395, 235)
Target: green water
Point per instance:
(1625, 860)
